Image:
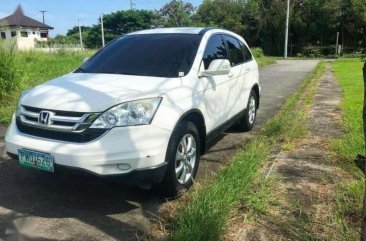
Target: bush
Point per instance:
(9, 71)
(257, 52)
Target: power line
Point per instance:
(43, 11)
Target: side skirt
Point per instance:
(215, 133)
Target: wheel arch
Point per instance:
(196, 117)
(255, 88)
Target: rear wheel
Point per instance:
(248, 121)
(183, 158)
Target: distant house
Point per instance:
(24, 30)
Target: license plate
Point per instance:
(38, 160)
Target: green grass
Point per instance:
(349, 77)
(348, 195)
(349, 200)
(33, 68)
(205, 215)
(265, 60)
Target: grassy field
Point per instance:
(349, 194)
(349, 77)
(205, 215)
(29, 69)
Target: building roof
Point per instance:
(18, 19)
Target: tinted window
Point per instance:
(160, 55)
(234, 50)
(215, 49)
(3, 35)
(246, 52)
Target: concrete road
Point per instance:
(69, 207)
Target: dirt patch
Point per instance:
(305, 178)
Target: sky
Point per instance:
(63, 14)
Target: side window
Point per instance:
(215, 49)
(13, 34)
(235, 53)
(3, 35)
(246, 52)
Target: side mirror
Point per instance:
(85, 60)
(217, 67)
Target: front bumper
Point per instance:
(121, 151)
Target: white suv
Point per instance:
(145, 107)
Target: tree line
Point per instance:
(313, 23)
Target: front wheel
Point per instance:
(183, 158)
(248, 121)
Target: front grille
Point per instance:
(75, 137)
(57, 120)
(58, 125)
(57, 112)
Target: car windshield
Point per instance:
(159, 55)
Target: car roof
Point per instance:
(181, 30)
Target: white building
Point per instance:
(23, 30)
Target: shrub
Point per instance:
(257, 52)
(9, 71)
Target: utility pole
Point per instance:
(336, 52)
(102, 26)
(287, 26)
(81, 37)
(43, 11)
(132, 4)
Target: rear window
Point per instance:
(159, 55)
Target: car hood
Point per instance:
(83, 92)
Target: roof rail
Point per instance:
(205, 30)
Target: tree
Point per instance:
(175, 14)
(73, 35)
(222, 13)
(115, 24)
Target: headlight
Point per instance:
(140, 112)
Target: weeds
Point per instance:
(24, 70)
(9, 70)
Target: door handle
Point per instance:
(230, 75)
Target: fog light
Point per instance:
(124, 167)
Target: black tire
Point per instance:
(247, 122)
(170, 184)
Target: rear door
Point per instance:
(236, 101)
(250, 68)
